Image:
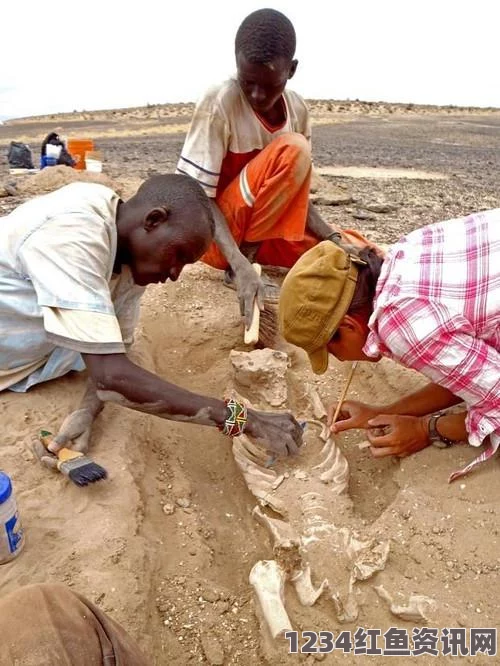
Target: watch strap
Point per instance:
(434, 436)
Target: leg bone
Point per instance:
(268, 580)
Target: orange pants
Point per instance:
(267, 203)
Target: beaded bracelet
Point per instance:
(236, 419)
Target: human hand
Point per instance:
(74, 433)
(352, 415)
(249, 287)
(280, 433)
(396, 435)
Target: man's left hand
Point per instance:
(74, 433)
(395, 435)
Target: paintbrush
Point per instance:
(344, 392)
(78, 467)
(269, 328)
(264, 327)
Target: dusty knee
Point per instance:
(297, 150)
(296, 143)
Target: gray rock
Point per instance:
(8, 190)
(335, 198)
(376, 207)
(363, 215)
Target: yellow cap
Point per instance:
(314, 298)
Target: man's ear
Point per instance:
(155, 217)
(293, 68)
(351, 324)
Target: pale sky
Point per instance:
(58, 55)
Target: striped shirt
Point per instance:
(58, 294)
(226, 133)
(437, 310)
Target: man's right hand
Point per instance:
(352, 415)
(280, 433)
(249, 287)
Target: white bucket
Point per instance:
(95, 166)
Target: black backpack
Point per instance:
(19, 156)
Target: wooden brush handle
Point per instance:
(344, 391)
(252, 333)
(63, 454)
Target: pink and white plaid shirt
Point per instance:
(437, 310)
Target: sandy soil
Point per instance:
(178, 580)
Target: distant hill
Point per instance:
(185, 110)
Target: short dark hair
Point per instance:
(175, 191)
(264, 36)
(364, 292)
(366, 283)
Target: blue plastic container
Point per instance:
(11, 532)
(47, 161)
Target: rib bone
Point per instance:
(261, 481)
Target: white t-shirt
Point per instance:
(226, 133)
(58, 294)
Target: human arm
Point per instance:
(76, 429)
(324, 231)
(248, 283)
(404, 435)
(423, 336)
(427, 400)
(115, 378)
(316, 224)
(121, 381)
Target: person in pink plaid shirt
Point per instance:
(433, 304)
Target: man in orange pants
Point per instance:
(249, 148)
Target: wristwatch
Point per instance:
(434, 437)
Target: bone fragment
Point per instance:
(317, 405)
(281, 532)
(415, 611)
(324, 429)
(368, 557)
(306, 592)
(260, 481)
(286, 542)
(258, 474)
(300, 474)
(268, 580)
(347, 610)
(253, 451)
